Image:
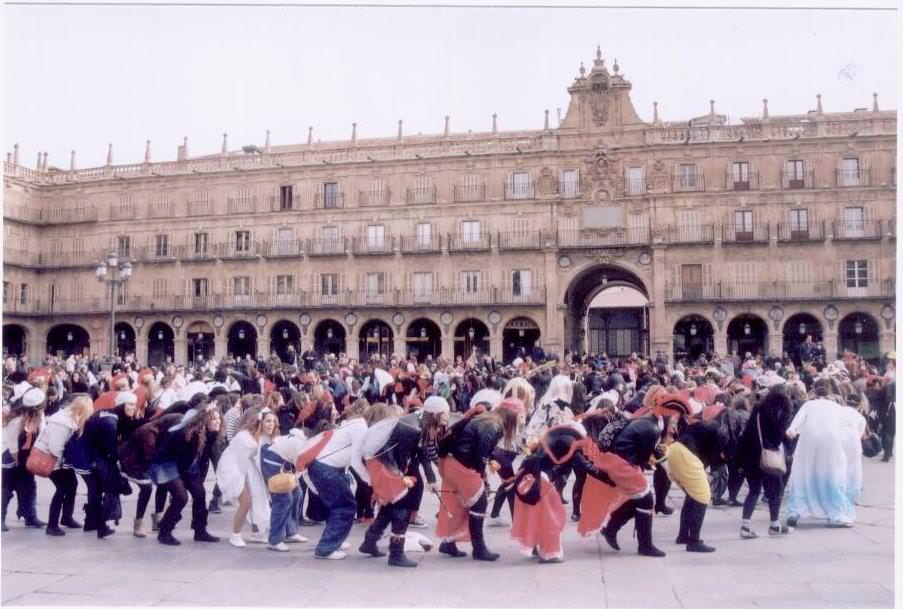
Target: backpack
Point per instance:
(137, 452)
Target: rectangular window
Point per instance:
(78, 247)
(242, 241)
(691, 281)
(520, 282)
(330, 194)
(799, 223)
(376, 236)
(743, 225)
(471, 281)
(423, 286)
(285, 284)
(200, 244)
(329, 284)
(331, 240)
(520, 185)
(199, 288)
(122, 294)
(794, 174)
(286, 197)
(123, 246)
(849, 172)
(284, 242)
(241, 286)
(470, 231)
(686, 176)
(159, 288)
(376, 284)
(161, 245)
(636, 180)
(570, 183)
(857, 274)
(853, 224)
(7, 286)
(23, 294)
(424, 235)
(740, 175)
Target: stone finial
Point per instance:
(818, 103)
(712, 107)
(353, 132)
(616, 67)
(147, 154)
(546, 123)
(109, 154)
(16, 153)
(38, 164)
(71, 160)
(582, 70)
(225, 143)
(495, 122)
(764, 107)
(266, 142)
(44, 163)
(9, 158)
(310, 136)
(874, 102)
(400, 131)
(445, 132)
(184, 148)
(598, 52)
(655, 112)
(559, 116)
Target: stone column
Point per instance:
(830, 339)
(448, 346)
(180, 348)
(659, 332)
(352, 348)
(220, 344)
(886, 342)
(496, 348)
(720, 341)
(141, 346)
(552, 336)
(263, 343)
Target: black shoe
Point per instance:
(698, 546)
(792, 521)
(214, 507)
(55, 531)
(451, 548)
(70, 523)
(203, 535)
(4, 528)
(681, 540)
(719, 502)
(104, 531)
(575, 517)
(480, 551)
(664, 509)
(166, 538)
(645, 547)
(304, 522)
(35, 523)
(369, 547)
(612, 538)
(397, 557)
(734, 503)
(650, 550)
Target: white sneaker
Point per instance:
(236, 540)
(279, 547)
(257, 538)
(337, 555)
(345, 545)
(296, 538)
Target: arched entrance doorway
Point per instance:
(747, 334)
(423, 339)
(285, 334)
(125, 339)
(797, 329)
(201, 341)
(607, 312)
(693, 336)
(329, 337)
(375, 339)
(242, 340)
(859, 334)
(471, 334)
(520, 335)
(68, 339)
(14, 339)
(161, 346)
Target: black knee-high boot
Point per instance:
(618, 519)
(375, 532)
(645, 547)
(397, 557)
(475, 524)
(694, 527)
(661, 484)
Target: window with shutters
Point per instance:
(857, 274)
(376, 285)
(850, 172)
(799, 224)
(123, 246)
(691, 281)
(331, 196)
(521, 282)
(161, 246)
(569, 183)
(794, 174)
(160, 288)
(78, 247)
(285, 242)
(423, 287)
(470, 281)
(329, 284)
(745, 279)
(424, 235)
(122, 294)
(689, 226)
(686, 176)
(520, 225)
(242, 241)
(23, 294)
(422, 190)
(241, 286)
(636, 180)
(286, 197)
(161, 205)
(200, 244)
(7, 288)
(743, 225)
(376, 236)
(519, 185)
(470, 231)
(199, 287)
(740, 175)
(853, 224)
(285, 284)
(800, 278)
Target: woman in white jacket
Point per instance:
(239, 477)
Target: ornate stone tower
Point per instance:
(600, 101)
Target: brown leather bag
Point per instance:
(40, 463)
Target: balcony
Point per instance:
(801, 233)
(736, 182)
(690, 233)
(469, 243)
(775, 291)
(421, 195)
(243, 205)
(191, 252)
(235, 251)
(797, 180)
(282, 248)
(635, 187)
(470, 192)
(153, 254)
(856, 230)
(363, 246)
(569, 190)
(521, 240)
(845, 178)
(608, 237)
(123, 212)
(19, 256)
(335, 246)
(421, 244)
(688, 183)
(68, 216)
(374, 198)
(161, 210)
(890, 228)
(745, 233)
(329, 200)
(280, 203)
(520, 190)
(200, 207)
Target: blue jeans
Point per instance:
(335, 493)
(284, 507)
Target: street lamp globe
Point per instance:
(126, 271)
(112, 259)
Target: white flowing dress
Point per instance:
(853, 427)
(818, 478)
(240, 465)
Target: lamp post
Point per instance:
(110, 271)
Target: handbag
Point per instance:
(772, 461)
(40, 463)
(871, 445)
(282, 483)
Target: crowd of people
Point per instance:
(333, 441)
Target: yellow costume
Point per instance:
(687, 470)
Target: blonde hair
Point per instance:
(521, 389)
(81, 408)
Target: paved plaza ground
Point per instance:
(813, 567)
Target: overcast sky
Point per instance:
(80, 77)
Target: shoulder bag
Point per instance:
(772, 461)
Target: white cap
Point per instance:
(436, 405)
(126, 397)
(19, 389)
(193, 388)
(33, 397)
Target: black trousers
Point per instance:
(414, 497)
(363, 497)
(20, 482)
(393, 513)
(661, 484)
(62, 504)
(180, 489)
(774, 492)
(691, 516)
(505, 492)
(144, 495)
(888, 430)
(577, 491)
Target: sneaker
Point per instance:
(839, 524)
(257, 538)
(236, 540)
(781, 529)
(418, 523)
(345, 545)
(550, 561)
(337, 555)
(279, 547)
(296, 538)
(747, 533)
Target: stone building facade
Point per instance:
(742, 236)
